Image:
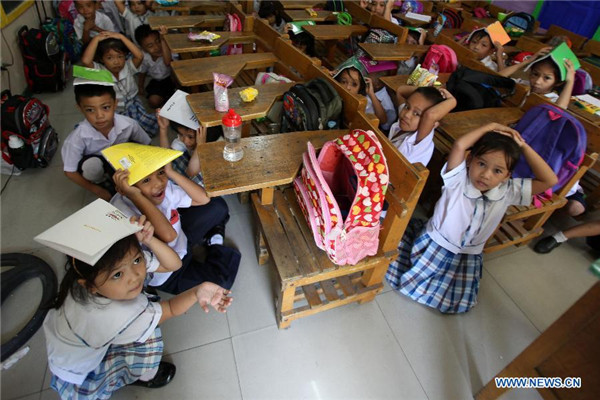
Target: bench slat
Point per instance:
(313, 298)
(346, 285)
(329, 290)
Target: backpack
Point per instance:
(440, 58)
(335, 6)
(233, 23)
(311, 106)
(453, 18)
(582, 82)
(44, 63)
(557, 136)
(520, 20)
(341, 194)
(375, 35)
(65, 35)
(28, 119)
(474, 89)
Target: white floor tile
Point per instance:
(235, 207)
(206, 372)
(345, 353)
(49, 394)
(35, 396)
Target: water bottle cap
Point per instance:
(232, 119)
(14, 142)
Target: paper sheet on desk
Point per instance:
(590, 99)
(178, 110)
(418, 17)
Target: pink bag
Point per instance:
(341, 194)
(233, 23)
(440, 58)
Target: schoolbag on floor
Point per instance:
(475, 89)
(557, 136)
(341, 194)
(28, 118)
(440, 58)
(520, 20)
(66, 37)
(310, 106)
(44, 63)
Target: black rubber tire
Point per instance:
(26, 267)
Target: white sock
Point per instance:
(216, 239)
(560, 237)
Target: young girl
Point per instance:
(480, 42)
(110, 50)
(440, 262)
(416, 36)
(269, 11)
(544, 77)
(103, 331)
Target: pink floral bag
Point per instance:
(341, 194)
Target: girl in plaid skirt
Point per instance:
(102, 333)
(111, 51)
(440, 261)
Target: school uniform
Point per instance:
(86, 141)
(191, 223)
(406, 143)
(387, 104)
(181, 163)
(440, 262)
(102, 21)
(132, 21)
(128, 103)
(488, 62)
(161, 83)
(99, 346)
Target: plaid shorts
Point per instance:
(136, 110)
(121, 365)
(431, 275)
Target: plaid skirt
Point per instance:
(122, 365)
(431, 275)
(136, 110)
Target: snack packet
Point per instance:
(248, 94)
(421, 77)
(221, 83)
(204, 36)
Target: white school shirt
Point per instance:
(132, 21)
(109, 8)
(464, 218)
(386, 103)
(86, 140)
(491, 64)
(126, 87)
(102, 22)
(78, 335)
(405, 143)
(155, 68)
(175, 197)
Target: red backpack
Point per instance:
(440, 58)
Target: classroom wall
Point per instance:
(581, 17)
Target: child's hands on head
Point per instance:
(201, 135)
(570, 70)
(369, 85)
(507, 131)
(209, 293)
(162, 29)
(541, 53)
(122, 185)
(147, 233)
(445, 93)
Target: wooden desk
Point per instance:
(203, 104)
(268, 161)
(199, 71)
(392, 52)
(185, 7)
(579, 113)
(331, 34)
(179, 42)
(415, 22)
(395, 81)
(299, 5)
(302, 15)
(186, 21)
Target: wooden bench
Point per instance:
(392, 52)
(186, 21)
(303, 15)
(309, 282)
(332, 34)
(179, 42)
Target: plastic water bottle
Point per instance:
(20, 155)
(232, 131)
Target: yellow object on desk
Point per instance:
(312, 13)
(248, 94)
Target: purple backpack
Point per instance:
(583, 82)
(557, 136)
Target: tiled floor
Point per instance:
(391, 348)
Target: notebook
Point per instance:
(178, 110)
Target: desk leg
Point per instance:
(266, 195)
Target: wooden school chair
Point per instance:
(310, 283)
(577, 41)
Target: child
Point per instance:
(110, 50)
(156, 63)
(416, 36)
(83, 163)
(440, 263)
(544, 77)
(90, 23)
(199, 220)
(270, 11)
(383, 8)
(187, 140)
(137, 14)
(480, 42)
(590, 230)
(419, 112)
(103, 334)
(304, 42)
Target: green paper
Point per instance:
(559, 54)
(97, 75)
(297, 26)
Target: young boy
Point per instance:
(90, 23)
(421, 109)
(187, 141)
(183, 215)
(137, 14)
(156, 63)
(83, 162)
(481, 43)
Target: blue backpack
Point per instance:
(557, 136)
(520, 20)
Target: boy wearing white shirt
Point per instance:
(90, 23)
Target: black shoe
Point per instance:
(164, 375)
(216, 230)
(546, 245)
